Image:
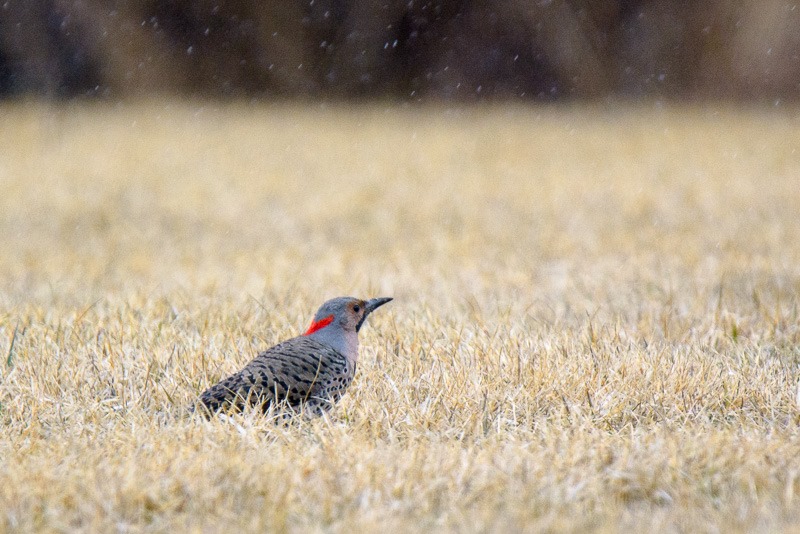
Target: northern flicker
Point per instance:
(308, 372)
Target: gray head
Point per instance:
(345, 313)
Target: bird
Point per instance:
(306, 374)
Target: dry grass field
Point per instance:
(596, 322)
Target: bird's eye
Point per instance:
(356, 308)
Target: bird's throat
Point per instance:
(319, 325)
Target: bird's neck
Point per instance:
(342, 341)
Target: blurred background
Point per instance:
(402, 50)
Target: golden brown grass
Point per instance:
(596, 321)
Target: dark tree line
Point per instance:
(464, 49)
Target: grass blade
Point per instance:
(10, 357)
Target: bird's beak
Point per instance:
(370, 306)
(373, 304)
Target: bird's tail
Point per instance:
(230, 393)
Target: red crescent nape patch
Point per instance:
(319, 325)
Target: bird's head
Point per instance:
(347, 313)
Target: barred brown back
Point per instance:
(300, 373)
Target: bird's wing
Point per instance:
(297, 369)
(294, 371)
